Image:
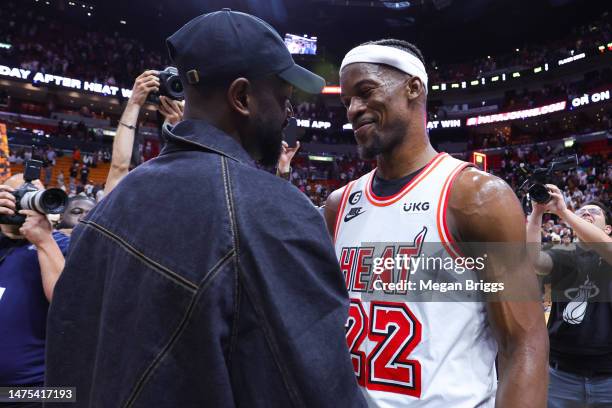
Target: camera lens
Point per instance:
(52, 201)
(539, 194)
(175, 88)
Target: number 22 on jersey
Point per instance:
(394, 332)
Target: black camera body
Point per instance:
(28, 197)
(170, 85)
(537, 177)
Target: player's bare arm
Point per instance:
(541, 261)
(483, 208)
(331, 209)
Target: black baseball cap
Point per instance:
(227, 43)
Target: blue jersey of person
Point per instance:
(23, 312)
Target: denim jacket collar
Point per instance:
(204, 135)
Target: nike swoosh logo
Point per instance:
(350, 216)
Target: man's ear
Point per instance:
(414, 88)
(608, 229)
(239, 96)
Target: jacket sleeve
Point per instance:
(291, 276)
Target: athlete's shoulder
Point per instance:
(481, 203)
(478, 184)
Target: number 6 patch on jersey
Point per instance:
(394, 332)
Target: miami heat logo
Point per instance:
(356, 264)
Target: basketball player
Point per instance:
(428, 354)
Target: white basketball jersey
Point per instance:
(411, 354)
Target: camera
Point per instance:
(537, 177)
(28, 197)
(170, 85)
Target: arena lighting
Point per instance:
(455, 86)
(443, 87)
(331, 90)
(5, 46)
(474, 82)
(569, 142)
(89, 14)
(480, 160)
(396, 5)
(516, 74)
(539, 69)
(122, 22)
(572, 59)
(347, 126)
(463, 85)
(521, 114)
(435, 87)
(321, 158)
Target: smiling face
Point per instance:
(378, 106)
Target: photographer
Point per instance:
(31, 261)
(77, 208)
(579, 325)
(123, 144)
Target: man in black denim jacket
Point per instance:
(201, 281)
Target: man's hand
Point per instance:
(146, 82)
(36, 228)
(556, 205)
(7, 200)
(171, 109)
(287, 153)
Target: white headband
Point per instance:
(380, 54)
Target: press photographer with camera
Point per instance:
(579, 325)
(31, 261)
(146, 89)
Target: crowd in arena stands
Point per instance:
(77, 181)
(506, 134)
(111, 58)
(584, 38)
(43, 42)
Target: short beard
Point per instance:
(267, 142)
(370, 152)
(379, 146)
